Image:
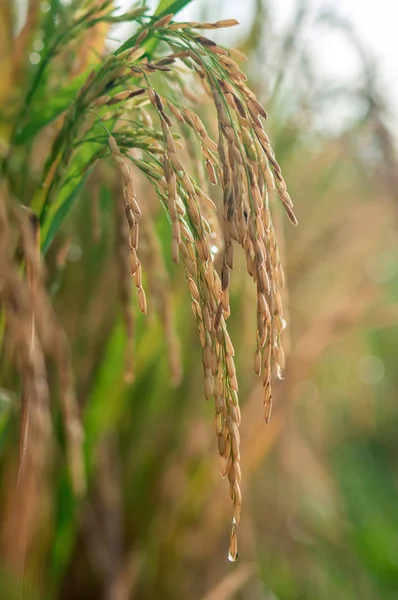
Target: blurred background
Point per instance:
(320, 482)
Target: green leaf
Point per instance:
(46, 112)
(58, 213)
(5, 413)
(170, 6)
(100, 414)
(66, 530)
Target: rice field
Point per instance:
(157, 304)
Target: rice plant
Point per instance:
(136, 106)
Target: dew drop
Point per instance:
(370, 369)
(74, 253)
(381, 267)
(231, 557)
(233, 546)
(45, 7)
(5, 399)
(34, 58)
(38, 45)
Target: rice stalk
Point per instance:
(126, 109)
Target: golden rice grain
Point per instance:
(163, 22)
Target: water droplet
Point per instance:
(38, 45)
(45, 7)
(231, 557)
(381, 267)
(74, 253)
(5, 399)
(370, 369)
(34, 58)
(214, 249)
(233, 546)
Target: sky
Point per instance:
(374, 21)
